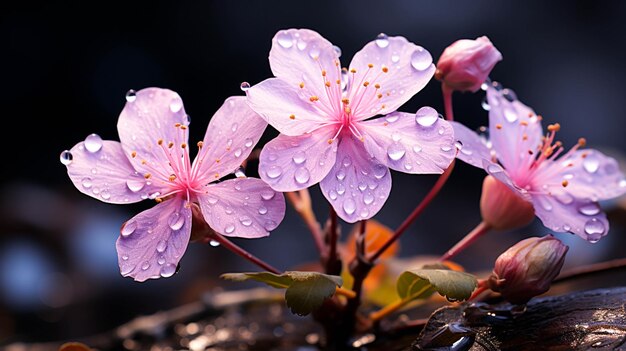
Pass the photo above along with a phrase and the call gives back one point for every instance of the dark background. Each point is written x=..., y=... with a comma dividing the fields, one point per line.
x=67, y=65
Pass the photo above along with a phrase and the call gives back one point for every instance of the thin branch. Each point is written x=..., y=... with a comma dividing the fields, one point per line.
x=301, y=202
x=468, y=240
x=241, y=252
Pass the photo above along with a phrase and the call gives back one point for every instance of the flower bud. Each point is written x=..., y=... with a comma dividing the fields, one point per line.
x=528, y=268
x=466, y=64
x=501, y=208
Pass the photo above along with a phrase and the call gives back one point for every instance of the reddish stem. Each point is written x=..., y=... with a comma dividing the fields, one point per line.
x=416, y=212
x=447, y=102
x=301, y=202
x=468, y=240
x=243, y=253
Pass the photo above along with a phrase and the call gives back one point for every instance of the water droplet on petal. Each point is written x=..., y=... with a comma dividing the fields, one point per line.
x=176, y=104
x=302, y=175
x=347, y=161
x=341, y=175
x=86, y=182
x=314, y=53
x=124, y=257
x=128, y=228
x=176, y=221
x=509, y=114
x=368, y=198
x=186, y=119
x=595, y=229
x=299, y=157
x=458, y=145
x=214, y=243
x=426, y=116
x=270, y=225
x=382, y=40
x=509, y=95
x=395, y=58
x=145, y=266
x=229, y=229
x=332, y=194
x=494, y=168
x=284, y=39
x=485, y=104
x=262, y=210
x=380, y=171
x=161, y=260
x=131, y=95
x=349, y=206
x=301, y=45
x=211, y=200
x=545, y=203
x=591, y=164
x=93, y=143
x=248, y=142
x=66, y=157
x=341, y=189
x=589, y=209
x=421, y=59
x=237, y=152
x=564, y=198
x=274, y=171
x=446, y=148
x=396, y=151
x=246, y=221
x=337, y=50
x=161, y=246
x=168, y=270
x=127, y=268
x=267, y=194
x=105, y=194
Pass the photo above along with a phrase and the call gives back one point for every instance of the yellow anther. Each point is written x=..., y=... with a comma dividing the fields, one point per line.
x=385, y=69
x=383, y=106
x=323, y=73
x=301, y=85
x=170, y=144
x=183, y=145
x=158, y=200
x=565, y=183
x=525, y=137
x=498, y=126
x=292, y=116
x=217, y=175
x=330, y=141
x=554, y=127
x=362, y=139
x=147, y=175
x=530, y=114
x=347, y=110
x=524, y=123
x=217, y=160
x=183, y=127
x=313, y=98
x=530, y=152
x=177, y=125
x=133, y=154
x=160, y=141
x=539, y=117
x=379, y=95
x=366, y=83
x=377, y=86
x=327, y=84
x=172, y=177
x=558, y=144
x=352, y=70
x=584, y=155
x=144, y=162
x=338, y=81
x=582, y=142
x=370, y=65
x=345, y=101
x=200, y=144
x=385, y=124
x=228, y=148
x=548, y=152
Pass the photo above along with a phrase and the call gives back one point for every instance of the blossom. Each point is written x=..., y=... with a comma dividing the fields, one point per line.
x=466, y=64
x=321, y=111
x=565, y=190
x=152, y=161
x=528, y=268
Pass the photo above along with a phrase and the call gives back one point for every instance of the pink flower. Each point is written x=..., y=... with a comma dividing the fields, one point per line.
x=564, y=190
x=466, y=64
x=321, y=109
x=152, y=161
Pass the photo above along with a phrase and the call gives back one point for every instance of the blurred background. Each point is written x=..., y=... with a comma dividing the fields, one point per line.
x=66, y=67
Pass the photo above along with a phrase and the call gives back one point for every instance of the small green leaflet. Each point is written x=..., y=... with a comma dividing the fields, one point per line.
x=306, y=291
x=421, y=283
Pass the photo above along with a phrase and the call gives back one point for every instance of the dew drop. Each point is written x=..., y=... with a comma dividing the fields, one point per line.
x=368, y=198
x=392, y=118
x=332, y=194
x=299, y=157
x=176, y=104
x=248, y=142
x=314, y=53
x=380, y=171
x=545, y=204
x=270, y=225
x=176, y=221
x=301, y=45
x=395, y=58
x=285, y=39
x=262, y=210
x=347, y=161
x=237, y=152
x=240, y=172
x=509, y=95
x=446, y=148
x=168, y=270
x=267, y=194
x=93, y=143
x=161, y=246
x=274, y=171
x=131, y=95
x=337, y=50
x=341, y=189
x=421, y=59
x=494, y=168
x=341, y=175
x=595, y=229
x=86, y=182
x=66, y=157
x=246, y=221
x=145, y=266
x=426, y=116
x=214, y=243
x=302, y=175
x=589, y=209
x=244, y=86
x=382, y=40
x=229, y=229
x=135, y=185
x=126, y=269
x=128, y=228
x=105, y=194
x=485, y=104
x=161, y=260
x=396, y=151
x=417, y=148
x=234, y=127
x=509, y=114
x=349, y=206
x=564, y=198
x=591, y=164
x=212, y=200
x=124, y=257
x=186, y=119
x=458, y=145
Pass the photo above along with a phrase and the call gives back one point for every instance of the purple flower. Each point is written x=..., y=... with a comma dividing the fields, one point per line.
x=152, y=161
x=564, y=190
x=321, y=109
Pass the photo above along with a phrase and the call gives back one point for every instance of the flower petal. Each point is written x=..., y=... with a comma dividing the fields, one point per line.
x=285, y=108
x=292, y=163
x=107, y=175
x=566, y=214
x=150, y=117
x=474, y=149
x=500, y=174
x=152, y=243
x=584, y=174
x=400, y=67
x=242, y=207
x=400, y=143
x=232, y=133
x=306, y=61
x=358, y=185
x=513, y=130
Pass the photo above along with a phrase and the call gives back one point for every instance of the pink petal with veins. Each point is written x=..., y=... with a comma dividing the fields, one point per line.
x=402, y=144
x=106, y=174
x=230, y=137
x=242, y=207
x=293, y=163
x=474, y=148
x=400, y=67
x=358, y=185
x=152, y=243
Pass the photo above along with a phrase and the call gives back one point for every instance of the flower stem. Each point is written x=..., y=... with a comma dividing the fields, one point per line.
x=301, y=202
x=447, y=102
x=468, y=240
x=241, y=252
x=332, y=264
x=416, y=212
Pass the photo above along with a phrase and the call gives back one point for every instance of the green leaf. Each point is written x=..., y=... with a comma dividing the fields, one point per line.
x=421, y=283
x=306, y=291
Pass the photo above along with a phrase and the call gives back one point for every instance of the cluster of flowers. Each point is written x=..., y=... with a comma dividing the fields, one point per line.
x=328, y=135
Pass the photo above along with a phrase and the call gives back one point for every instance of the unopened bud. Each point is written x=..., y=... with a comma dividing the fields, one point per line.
x=466, y=64
x=528, y=268
x=501, y=208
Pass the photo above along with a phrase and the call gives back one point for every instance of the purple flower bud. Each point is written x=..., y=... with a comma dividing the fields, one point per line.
x=528, y=268
x=466, y=64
